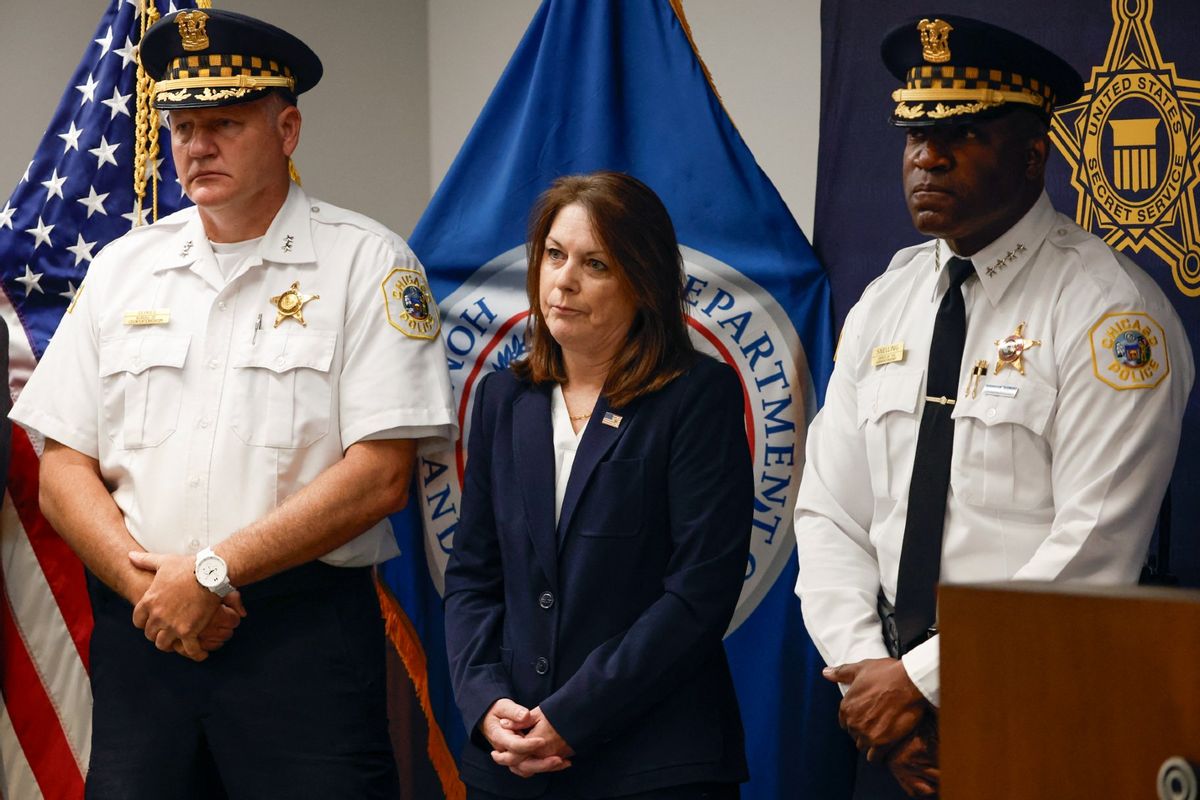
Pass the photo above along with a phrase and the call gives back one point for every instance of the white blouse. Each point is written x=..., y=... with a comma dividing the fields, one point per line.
x=566, y=442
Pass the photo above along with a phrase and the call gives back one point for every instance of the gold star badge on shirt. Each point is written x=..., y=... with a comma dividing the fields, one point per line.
x=1012, y=349
x=291, y=304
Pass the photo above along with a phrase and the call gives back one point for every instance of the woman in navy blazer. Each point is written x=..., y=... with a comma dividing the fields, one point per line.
x=586, y=600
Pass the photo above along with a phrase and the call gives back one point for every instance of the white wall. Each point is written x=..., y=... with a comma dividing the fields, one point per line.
x=365, y=139
x=765, y=59
x=404, y=80
x=470, y=42
x=40, y=46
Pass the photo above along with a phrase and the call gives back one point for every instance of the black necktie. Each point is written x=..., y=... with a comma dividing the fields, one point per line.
x=921, y=554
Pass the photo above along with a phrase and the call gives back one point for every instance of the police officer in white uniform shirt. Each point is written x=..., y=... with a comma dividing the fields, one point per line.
x=1012, y=387
x=231, y=409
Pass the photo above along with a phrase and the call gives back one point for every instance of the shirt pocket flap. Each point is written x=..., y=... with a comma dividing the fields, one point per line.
x=284, y=351
x=1030, y=407
x=135, y=354
x=892, y=390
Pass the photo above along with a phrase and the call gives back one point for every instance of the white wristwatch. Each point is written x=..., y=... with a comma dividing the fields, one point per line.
x=212, y=573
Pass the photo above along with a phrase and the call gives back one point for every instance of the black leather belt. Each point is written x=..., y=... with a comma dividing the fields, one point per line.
x=891, y=635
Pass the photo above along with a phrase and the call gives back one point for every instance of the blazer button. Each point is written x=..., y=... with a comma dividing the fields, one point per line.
x=545, y=600
x=541, y=666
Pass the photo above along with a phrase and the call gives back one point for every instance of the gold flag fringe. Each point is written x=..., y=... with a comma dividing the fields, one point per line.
x=404, y=638
x=145, y=136
x=145, y=140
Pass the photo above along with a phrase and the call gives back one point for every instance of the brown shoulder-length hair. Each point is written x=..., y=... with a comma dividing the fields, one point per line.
x=635, y=231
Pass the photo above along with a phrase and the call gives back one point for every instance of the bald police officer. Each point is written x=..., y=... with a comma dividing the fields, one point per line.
x=1013, y=388
x=231, y=409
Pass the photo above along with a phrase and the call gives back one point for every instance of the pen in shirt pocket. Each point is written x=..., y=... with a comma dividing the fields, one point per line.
x=257, y=328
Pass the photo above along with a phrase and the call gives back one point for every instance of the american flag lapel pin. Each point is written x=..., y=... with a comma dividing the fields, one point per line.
x=611, y=420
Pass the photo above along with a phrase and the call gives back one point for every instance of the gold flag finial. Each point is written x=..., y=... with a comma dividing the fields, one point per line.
x=935, y=40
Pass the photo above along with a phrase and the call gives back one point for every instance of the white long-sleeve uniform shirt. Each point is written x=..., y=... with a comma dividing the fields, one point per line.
x=1056, y=475
x=206, y=407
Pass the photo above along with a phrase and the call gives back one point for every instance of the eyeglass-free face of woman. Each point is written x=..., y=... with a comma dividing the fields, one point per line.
x=587, y=307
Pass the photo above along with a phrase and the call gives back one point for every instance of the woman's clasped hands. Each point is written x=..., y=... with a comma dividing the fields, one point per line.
x=524, y=740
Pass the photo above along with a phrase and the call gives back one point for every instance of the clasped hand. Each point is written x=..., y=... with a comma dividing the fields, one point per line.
x=914, y=761
x=890, y=720
x=881, y=706
x=524, y=740
x=177, y=613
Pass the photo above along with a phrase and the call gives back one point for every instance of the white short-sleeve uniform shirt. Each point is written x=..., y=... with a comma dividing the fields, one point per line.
x=206, y=407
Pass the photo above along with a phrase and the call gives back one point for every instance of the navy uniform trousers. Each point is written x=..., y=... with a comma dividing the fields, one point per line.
x=875, y=782
x=293, y=706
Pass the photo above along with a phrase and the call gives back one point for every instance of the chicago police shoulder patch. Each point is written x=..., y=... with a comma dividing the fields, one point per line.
x=1129, y=351
x=409, y=304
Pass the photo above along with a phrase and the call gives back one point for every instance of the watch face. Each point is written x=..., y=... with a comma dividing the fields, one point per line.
x=210, y=572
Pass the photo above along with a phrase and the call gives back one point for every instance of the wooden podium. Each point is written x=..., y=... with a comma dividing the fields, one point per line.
x=1066, y=692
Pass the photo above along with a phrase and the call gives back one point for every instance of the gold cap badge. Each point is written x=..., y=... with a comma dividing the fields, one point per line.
x=291, y=304
x=191, y=30
x=935, y=40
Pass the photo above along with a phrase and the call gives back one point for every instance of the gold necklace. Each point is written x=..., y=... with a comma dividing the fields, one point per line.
x=570, y=416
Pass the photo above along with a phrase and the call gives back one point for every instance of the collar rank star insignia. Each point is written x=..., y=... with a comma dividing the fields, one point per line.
x=1005, y=260
x=1012, y=349
x=291, y=304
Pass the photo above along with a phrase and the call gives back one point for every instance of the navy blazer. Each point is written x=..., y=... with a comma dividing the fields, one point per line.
x=612, y=621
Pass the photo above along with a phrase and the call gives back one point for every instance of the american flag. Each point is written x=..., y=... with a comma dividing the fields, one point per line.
x=76, y=195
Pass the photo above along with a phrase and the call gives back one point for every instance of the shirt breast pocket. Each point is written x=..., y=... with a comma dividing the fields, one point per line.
x=141, y=380
x=887, y=405
x=1001, y=456
x=282, y=388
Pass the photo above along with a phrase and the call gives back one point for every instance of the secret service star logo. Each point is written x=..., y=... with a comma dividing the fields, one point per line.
x=1133, y=147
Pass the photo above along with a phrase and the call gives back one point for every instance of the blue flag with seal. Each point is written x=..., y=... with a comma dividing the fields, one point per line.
x=619, y=86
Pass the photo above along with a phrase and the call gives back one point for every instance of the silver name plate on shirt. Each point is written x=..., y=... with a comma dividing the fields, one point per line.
x=999, y=390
